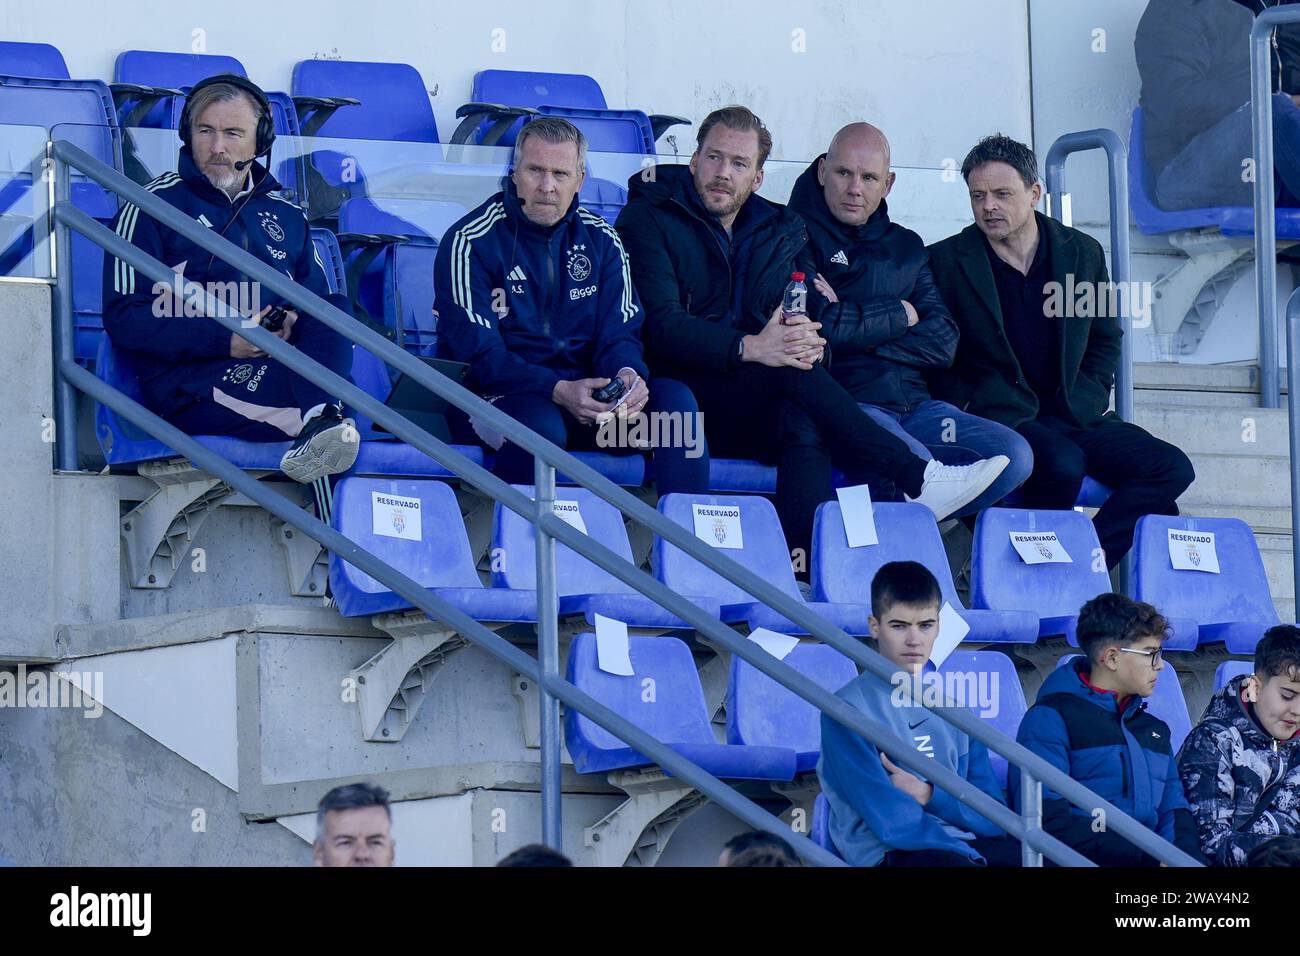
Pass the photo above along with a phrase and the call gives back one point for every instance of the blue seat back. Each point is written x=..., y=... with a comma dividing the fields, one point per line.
x=1006, y=694
x=441, y=558
x=674, y=713
x=429, y=219
x=32, y=59
x=1000, y=579
x=120, y=440
x=602, y=197
x=394, y=100
x=1166, y=702
x=177, y=71
x=761, y=711
x=907, y=532
x=1238, y=593
x=765, y=551
x=326, y=245
x=820, y=832
x=408, y=295
x=514, y=542
x=609, y=131
x=370, y=374
x=1225, y=672
x=531, y=89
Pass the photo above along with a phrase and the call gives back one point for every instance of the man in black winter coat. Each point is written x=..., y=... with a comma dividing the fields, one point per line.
x=885, y=321
x=710, y=261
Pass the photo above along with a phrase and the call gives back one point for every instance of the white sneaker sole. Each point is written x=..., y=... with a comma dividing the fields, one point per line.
x=328, y=453
x=972, y=491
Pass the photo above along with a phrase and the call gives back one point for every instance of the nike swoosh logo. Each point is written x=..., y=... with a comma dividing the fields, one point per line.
x=915, y=725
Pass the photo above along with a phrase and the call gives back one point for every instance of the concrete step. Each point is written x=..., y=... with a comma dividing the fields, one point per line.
x=1251, y=480
x=1216, y=429
x=1219, y=398
x=1262, y=520
x=1206, y=378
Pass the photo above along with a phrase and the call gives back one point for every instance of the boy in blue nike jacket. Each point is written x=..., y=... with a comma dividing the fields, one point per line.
x=880, y=814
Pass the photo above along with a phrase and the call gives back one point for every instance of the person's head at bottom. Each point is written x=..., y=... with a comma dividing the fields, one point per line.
x=1273, y=690
x=1280, y=851
x=354, y=827
x=1122, y=640
x=757, y=848
x=905, y=599
x=535, y=854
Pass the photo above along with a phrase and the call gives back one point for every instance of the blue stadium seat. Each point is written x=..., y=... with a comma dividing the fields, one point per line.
x=124, y=444
x=1055, y=592
x=1152, y=220
x=424, y=218
x=820, y=833
x=32, y=59
x=738, y=476
x=1009, y=699
x=602, y=197
x=1092, y=494
x=327, y=247
x=765, y=552
x=583, y=587
x=674, y=714
x=394, y=99
x=907, y=532
x=1166, y=702
x=81, y=112
x=1226, y=671
x=1233, y=607
x=609, y=131
x=440, y=560
x=761, y=711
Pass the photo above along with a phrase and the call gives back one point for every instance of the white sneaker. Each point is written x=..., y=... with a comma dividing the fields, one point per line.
x=949, y=488
x=328, y=444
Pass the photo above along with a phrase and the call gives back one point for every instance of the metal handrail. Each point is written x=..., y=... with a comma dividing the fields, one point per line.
x=1293, y=426
x=550, y=526
x=1117, y=165
x=1261, y=131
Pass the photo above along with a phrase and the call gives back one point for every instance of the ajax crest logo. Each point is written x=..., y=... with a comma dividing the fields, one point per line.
x=272, y=226
x=579, y=265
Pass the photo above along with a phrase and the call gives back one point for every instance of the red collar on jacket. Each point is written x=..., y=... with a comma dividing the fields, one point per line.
x=1123, y=701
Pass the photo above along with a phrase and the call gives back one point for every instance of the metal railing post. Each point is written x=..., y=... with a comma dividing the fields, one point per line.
x=1261, y=131
x=1293, y=426
x=63, y=332
x=1031, y=809
x=1058, y=207
x=548, y=654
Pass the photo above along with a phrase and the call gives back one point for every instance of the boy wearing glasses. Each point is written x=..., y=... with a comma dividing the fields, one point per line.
x=1092, y=722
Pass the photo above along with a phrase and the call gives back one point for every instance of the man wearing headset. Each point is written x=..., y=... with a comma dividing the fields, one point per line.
x=534, y=293
x=194, y=372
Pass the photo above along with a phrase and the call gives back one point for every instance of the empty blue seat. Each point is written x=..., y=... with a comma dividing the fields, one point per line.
x=1007, y=697
x=761, y=711
x=1152, y=220
x=663, y=697
x=1054, y=592
x=394, y=99
x=32, y=59
x=427, y=543
x=609, y=131
x=1233, y=607
x=1225, y=672
x=1166, y=702
x=764, y=552
x=906, y=532
x=741, y=477
x=80, y=112
x=583, y=587
x=426, y=218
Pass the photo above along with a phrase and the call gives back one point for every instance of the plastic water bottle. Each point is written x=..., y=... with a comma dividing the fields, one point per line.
x=794, y=304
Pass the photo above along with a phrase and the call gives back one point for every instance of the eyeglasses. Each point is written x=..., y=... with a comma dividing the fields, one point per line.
x=1156, y=655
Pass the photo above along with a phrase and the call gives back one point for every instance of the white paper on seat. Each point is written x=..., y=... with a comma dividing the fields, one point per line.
x=1193, y=551
x=952, y=631
x=395, y=516
x=570, y=514
x=859, y=519
x=719, y=525
x=776, y=644
x=1039, y=547
x=613, y=654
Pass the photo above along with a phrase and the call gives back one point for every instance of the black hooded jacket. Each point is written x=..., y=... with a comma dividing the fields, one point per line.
x=701, y=289
x=873, y=268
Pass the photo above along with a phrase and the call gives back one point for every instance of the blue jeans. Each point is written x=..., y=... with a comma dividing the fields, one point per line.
x=937, y=430
x=1208, y=171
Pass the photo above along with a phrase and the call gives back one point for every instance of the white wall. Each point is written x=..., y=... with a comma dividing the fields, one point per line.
x=924, y=78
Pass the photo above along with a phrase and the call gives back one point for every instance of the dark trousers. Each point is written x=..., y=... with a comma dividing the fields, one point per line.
x=1000, y=851
x=1106, y=849
x=258, y=399
x=1146, y=475
x=804, y=422
x=677, y=467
